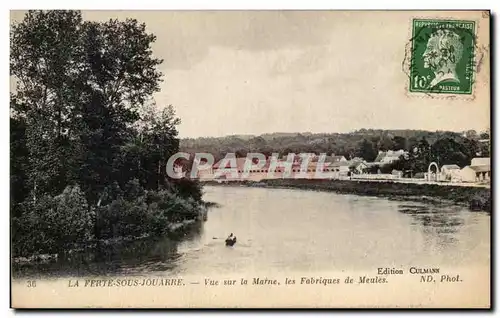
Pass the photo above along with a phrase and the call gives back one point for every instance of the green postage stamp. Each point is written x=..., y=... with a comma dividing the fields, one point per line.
x=442, y=56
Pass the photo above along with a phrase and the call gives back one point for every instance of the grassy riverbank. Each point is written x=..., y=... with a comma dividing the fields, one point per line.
x=475, y=198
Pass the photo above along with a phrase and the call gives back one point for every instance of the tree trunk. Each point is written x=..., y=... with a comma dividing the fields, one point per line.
x=159, y=175
x=34, y=191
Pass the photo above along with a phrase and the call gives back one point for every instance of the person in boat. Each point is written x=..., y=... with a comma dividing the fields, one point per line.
x=231, y=240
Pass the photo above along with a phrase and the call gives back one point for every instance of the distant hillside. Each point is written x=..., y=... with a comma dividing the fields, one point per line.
x=365, y=143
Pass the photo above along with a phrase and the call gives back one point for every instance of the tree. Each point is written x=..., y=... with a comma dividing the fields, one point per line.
x=471, y=134
x=485, y=134
x=44, y=58
x=367, y=151
x=386, y=143
x=87, y=142
x=448, y=151
x=18, y=161
x=79, y=86
x=241, y=153
x=256, y=144
x=400, y=143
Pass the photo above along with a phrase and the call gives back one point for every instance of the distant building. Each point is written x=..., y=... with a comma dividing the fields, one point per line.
x=236, y=173
x=478, y=171
x=372, y=167
x=483, y=173
x=390, y=156
x=467, y=174
x=359, y=159
x=342, y=167
x=397, y=173
x=450, y=172
x=205, y=174
x=358, y=167
x=312, y=157
x=334, y=158
x=480, y=162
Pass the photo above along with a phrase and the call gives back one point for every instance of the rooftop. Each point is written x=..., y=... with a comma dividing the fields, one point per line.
x=450, y=167
x=484, y=168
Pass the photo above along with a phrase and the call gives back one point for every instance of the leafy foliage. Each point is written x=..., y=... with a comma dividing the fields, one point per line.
x=52, y=224
x=87, y=142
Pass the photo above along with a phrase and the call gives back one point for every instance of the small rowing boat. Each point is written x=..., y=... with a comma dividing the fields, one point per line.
x=231, y=241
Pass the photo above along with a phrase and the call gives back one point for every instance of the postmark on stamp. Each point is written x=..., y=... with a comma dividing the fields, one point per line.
x=442, y=56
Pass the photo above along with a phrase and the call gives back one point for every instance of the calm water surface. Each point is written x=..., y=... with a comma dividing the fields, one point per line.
x=282, y=230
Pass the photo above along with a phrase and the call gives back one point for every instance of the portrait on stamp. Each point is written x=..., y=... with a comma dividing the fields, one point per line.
x=442, y=56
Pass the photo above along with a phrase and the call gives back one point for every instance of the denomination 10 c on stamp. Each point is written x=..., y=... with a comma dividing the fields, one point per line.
x=442, y=56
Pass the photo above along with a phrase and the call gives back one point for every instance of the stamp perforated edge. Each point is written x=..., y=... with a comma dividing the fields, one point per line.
x=476, y=65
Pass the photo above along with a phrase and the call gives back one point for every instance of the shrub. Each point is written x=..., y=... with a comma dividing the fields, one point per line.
x=133, y=190
x=73, y=219
x=148, y=214
x=53, y=224
x=187, y=188
x=31, y=232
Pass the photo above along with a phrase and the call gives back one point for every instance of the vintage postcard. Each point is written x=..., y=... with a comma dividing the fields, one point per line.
x=250, y=159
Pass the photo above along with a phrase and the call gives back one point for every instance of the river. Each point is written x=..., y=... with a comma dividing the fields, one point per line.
x=281, y=230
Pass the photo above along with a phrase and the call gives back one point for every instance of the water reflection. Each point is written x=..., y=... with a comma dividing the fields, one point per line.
x=438, y=223
x=117, y=258
x=444, y=226
x=439, y=217
x=292, y=230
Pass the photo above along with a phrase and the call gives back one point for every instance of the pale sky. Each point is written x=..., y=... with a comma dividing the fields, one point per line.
x=254, y=72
